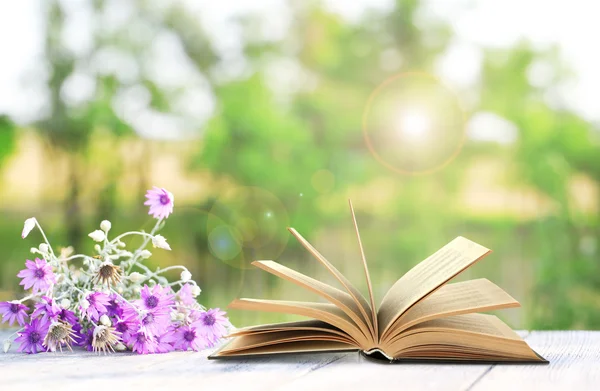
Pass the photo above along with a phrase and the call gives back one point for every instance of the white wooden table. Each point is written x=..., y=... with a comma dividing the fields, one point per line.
x=574, y=365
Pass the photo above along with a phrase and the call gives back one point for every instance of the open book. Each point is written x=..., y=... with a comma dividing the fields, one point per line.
x=420, y=318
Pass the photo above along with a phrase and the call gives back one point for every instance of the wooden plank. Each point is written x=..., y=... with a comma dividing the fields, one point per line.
x=356, y=372
x=574, y=364
x=80, y=370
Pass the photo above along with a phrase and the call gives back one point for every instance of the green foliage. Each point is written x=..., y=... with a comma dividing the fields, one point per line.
x=7, y=137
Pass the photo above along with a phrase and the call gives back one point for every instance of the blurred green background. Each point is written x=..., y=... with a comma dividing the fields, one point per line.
x=272, y=114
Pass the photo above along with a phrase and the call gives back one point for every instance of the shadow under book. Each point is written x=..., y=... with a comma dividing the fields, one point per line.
x=421, y=318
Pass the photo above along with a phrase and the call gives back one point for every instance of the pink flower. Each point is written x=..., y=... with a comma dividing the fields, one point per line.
x=140, y=343
x=13, y=311
x=185, y=295
x=37, y=275
x=157, y=299
x=32, y=338
x=190, y=337
x=213, y=325
x=96, y=305
x=161, y=202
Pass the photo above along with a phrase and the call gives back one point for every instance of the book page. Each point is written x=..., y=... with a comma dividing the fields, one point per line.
x=237, y=348
x=464, y=337
x=290, y=326
x=368, y=277
x=327, y=313
x=426, y=277
x=335, y=296
x=454, y=299
x=362, y=303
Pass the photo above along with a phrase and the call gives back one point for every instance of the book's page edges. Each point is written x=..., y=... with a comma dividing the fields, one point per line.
x=367, y=275
x=360, y=300
x=397, y=300
x=215, y=355
x=378, y=356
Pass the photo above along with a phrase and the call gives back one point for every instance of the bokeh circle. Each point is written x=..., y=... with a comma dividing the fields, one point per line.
x=413, y=124
x=247, y=224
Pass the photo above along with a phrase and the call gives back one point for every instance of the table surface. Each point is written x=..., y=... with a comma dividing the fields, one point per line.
x=574, y=365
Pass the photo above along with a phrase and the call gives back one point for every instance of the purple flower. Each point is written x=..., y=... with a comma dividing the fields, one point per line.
x=154, y=323
x=13, y=311
x=114, y=307
x=67, y=316
x=32, y=338
x=190, y=337
x=141, y=343
x=46, y=309
x=97, y=302
x=157, y=299
x=128, y=323
x=185, y=295
x=160, y=202
x=37, y=275
x=85, y=339
x=213, y=324
x=164, y=343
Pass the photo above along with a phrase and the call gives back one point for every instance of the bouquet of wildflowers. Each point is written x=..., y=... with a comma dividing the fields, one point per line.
x=112, y=301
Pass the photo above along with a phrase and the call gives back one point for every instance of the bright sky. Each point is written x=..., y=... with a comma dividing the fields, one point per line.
x=571, y=24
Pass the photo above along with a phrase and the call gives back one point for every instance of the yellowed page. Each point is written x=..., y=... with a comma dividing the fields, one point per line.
x=328, y=313
x=368, y=277
x=474, y=335
x=337, y=297
x=426, y=277
x=251, y=341
x=362, y=303
x=234, y=349
x=291, y=326
x=454, y=299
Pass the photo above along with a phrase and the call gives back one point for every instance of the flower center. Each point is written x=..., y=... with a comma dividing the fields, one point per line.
x=14, y=308
x=164, y=199
x=189, y=336
x=141, y=338
x=148, y=319
x=122, y=327
x=151, y=301
x=34, y=337
x=39, y=273
x=209, y=319
x=107, y=271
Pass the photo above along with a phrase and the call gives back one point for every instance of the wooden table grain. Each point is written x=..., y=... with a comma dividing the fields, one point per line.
x=574, y=365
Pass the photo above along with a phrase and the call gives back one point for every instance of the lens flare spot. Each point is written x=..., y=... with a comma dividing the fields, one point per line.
x=413, y=124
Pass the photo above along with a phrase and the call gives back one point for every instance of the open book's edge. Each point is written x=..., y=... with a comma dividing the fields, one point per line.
x=380, y=357
x=215, y=355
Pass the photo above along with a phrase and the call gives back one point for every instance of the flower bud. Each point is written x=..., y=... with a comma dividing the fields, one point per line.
x=7, y=344
x=97, y=235
x=27, y=227
x=84, y=304
x=120, y=347
x=65, y=303
x=33, y=250
x=136, y=277
x=137, y=289
x=145, y=254
x=159, y=241
x=121, y=244
x=105, y=225
x=97, y=248
x=186, y=276
x=105, y=321
x=44, y=248
x=196, y=290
